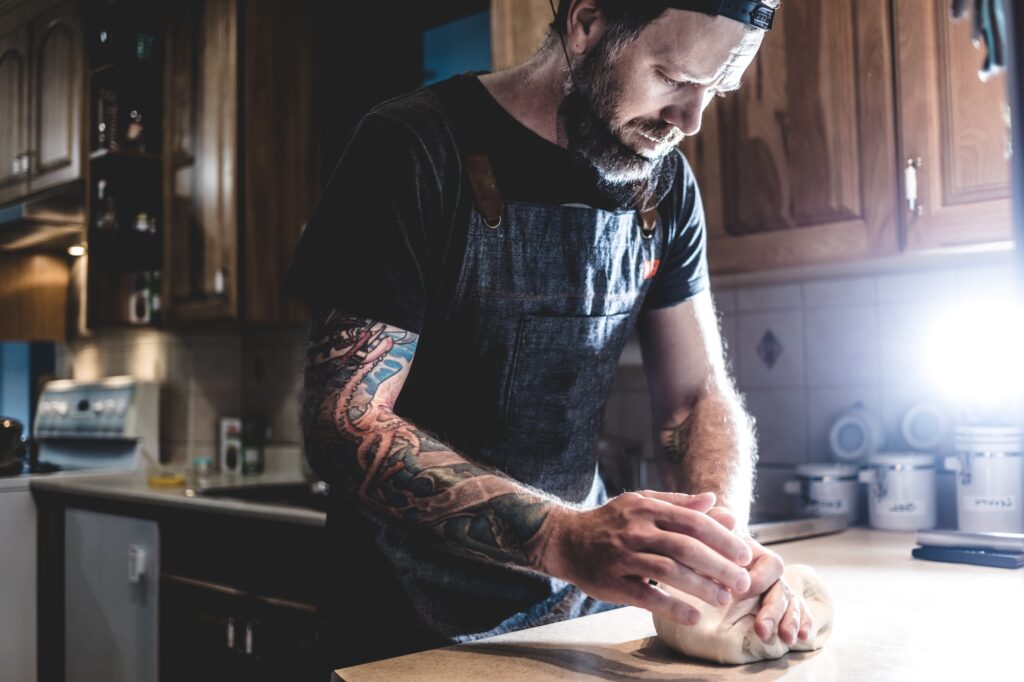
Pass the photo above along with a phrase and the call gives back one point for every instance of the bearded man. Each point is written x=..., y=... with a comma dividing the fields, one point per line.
x=509, y=231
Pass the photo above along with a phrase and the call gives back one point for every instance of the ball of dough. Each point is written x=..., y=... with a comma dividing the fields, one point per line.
x=726, y=634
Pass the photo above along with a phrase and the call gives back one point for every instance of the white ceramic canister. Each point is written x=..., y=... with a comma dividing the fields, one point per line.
x=901, y=493
x=825, y=490
x=990, y=478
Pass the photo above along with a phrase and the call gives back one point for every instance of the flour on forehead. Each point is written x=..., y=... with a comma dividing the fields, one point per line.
x=726, y=634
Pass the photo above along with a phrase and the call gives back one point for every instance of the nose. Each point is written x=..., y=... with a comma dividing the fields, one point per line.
x=686, y=110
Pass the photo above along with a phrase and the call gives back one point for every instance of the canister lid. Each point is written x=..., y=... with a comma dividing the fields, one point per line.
x=925, y=426
x=826, y=471
x=989, y=439
x=855, y=434
x=913, y=460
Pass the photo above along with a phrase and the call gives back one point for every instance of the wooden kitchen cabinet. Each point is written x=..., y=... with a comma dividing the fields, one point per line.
x=241, y=158
x=41, y=86
x=57, y=85
x=798, y=167
x=14, y=100
x=956, y=125
x=805, y=164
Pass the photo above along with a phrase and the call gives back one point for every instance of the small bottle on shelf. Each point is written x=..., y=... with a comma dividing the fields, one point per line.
x=106, y=126
x=139, y=311
x=106, y=207
x=134, y=135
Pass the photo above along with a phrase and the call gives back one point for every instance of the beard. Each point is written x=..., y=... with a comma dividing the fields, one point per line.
x=588, y=113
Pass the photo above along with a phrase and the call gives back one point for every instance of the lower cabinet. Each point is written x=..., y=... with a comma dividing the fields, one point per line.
x=142, y=593
x=213, y=631
x=238, y=600
x=111, y=600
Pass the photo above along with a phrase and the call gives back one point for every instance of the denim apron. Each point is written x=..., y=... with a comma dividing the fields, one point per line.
x=514, y=374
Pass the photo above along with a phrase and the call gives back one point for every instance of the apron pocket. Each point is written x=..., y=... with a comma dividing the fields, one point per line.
x=561, y=373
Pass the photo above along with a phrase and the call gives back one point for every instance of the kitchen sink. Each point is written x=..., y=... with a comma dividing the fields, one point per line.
x=311, y=495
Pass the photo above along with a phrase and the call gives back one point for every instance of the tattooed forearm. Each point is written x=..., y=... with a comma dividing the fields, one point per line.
x=711, y=448
x=355, y=369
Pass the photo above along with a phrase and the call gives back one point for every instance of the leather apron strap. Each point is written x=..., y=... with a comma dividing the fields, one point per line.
x=489, y=201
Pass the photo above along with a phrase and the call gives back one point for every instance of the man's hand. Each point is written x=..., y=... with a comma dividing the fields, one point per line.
x=611, y=552
x=782, y=609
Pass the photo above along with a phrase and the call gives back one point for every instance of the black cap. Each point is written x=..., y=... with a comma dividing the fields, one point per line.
x=749, y=12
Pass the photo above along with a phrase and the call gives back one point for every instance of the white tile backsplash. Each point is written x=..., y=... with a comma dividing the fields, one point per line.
x=839, y=291
x=725, y=300
x=775, y=297
x=781, y=421
x=908, y=336
x=769, y=496
x=842, y=346
x=917, y=286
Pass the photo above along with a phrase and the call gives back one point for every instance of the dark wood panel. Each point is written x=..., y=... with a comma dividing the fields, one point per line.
x=281, y=153
x=33, y=297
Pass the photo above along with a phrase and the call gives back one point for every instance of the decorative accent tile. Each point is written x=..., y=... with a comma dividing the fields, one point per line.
x=769, y=349
x=786, y=352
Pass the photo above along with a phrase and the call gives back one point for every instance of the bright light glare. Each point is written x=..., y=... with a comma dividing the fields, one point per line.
x=76, y=250
x=975, y=352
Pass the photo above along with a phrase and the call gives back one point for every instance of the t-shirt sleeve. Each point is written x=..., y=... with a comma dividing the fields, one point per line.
x=684, y=269
x=364, y=249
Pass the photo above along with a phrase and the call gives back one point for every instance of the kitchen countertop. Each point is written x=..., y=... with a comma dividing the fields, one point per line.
x=132, y=488
x=896, y=618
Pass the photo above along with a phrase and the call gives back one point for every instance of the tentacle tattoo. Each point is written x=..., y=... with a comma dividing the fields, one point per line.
x=355, y=369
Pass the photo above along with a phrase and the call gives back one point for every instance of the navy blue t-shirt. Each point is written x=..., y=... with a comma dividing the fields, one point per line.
x=386, y=239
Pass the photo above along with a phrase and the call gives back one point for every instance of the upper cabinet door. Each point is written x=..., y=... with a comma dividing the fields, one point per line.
x=201, y=152
x=14, y=81
x=956, y=125
x=799, y=166
x=57, y=84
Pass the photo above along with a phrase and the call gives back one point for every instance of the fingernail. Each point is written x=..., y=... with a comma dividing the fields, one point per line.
x=769, y=627
x=791, y=633
x=694, y=618
x=723, y=597
x=744, y=557
x=743, y=583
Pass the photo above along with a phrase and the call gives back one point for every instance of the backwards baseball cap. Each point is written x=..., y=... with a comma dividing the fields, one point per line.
x=749, y=12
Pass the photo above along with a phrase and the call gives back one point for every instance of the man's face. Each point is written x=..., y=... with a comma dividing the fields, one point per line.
x=635, y=103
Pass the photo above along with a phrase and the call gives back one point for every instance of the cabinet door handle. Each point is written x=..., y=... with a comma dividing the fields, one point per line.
x=230, y=639
x=219, y=280
x=910, y=186
x=249, y=632
x=136, y=563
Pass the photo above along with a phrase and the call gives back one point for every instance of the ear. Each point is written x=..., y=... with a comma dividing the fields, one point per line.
x=585, y=26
